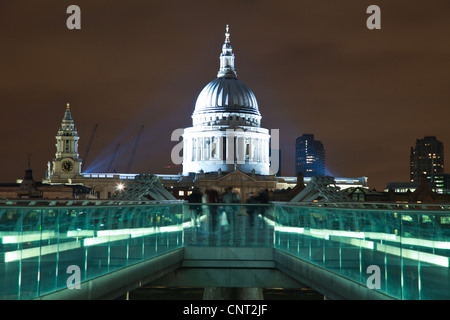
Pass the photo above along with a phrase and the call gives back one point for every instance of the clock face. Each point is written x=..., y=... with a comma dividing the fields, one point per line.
x=67, y=166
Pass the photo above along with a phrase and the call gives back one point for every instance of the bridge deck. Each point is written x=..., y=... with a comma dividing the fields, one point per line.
x=335, y=249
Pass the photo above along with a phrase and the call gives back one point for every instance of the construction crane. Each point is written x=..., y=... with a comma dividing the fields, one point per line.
x=113, y=158
x=136, y=143
x=83, y=164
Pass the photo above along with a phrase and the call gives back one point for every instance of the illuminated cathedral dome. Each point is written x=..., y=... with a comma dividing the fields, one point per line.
x=226, y=134
x=226, y=100
x=226, y=95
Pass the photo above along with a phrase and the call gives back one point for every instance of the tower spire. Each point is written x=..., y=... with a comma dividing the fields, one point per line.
x=67, y=114
x=227, y=58
x=227, y=34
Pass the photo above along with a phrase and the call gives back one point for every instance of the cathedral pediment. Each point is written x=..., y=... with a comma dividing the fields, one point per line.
x=236, y=176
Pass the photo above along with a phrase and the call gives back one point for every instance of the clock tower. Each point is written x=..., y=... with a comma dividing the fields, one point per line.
x=67, y=164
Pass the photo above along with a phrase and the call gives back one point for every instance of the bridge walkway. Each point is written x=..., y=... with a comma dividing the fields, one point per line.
x=102, y=250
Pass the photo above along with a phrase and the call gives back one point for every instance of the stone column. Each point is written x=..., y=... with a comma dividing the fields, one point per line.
x=197, y=149
x=207, y=148
x=258, y=150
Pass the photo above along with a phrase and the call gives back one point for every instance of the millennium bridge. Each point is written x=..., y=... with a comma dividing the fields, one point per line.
x=93, y=249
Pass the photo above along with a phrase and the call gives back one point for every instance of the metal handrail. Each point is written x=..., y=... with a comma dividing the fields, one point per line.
x=371, y=205
x=81, y=202
x=118, y=202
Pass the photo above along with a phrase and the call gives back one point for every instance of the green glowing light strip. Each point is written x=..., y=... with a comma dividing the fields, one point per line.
x=414, y=255
x=21, y=237
x=356, y=239
x=40, y=251
x=103, y=236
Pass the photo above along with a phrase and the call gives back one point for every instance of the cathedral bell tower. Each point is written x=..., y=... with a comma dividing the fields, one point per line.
x=67, y=164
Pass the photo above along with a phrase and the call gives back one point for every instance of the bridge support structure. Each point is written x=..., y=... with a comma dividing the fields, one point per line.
x=226, y=273
x=120, y=282
x=331, y=285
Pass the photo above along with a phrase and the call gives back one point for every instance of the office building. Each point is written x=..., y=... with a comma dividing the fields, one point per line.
x=427, y=157
x=309, y=156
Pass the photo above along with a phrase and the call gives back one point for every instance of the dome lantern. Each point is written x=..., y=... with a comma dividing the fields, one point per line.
x=226, y=100
x=227, y=58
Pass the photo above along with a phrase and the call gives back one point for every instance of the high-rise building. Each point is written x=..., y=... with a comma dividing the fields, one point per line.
x=309, y=156
x=427, y=157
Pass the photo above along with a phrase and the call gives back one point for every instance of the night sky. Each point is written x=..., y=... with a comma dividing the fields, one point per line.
x=314, y=67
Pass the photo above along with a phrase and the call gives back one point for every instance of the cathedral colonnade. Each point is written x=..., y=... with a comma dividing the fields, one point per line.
x=210, y=150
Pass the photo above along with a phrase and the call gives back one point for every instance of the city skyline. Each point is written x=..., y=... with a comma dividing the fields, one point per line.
x=314, y=68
